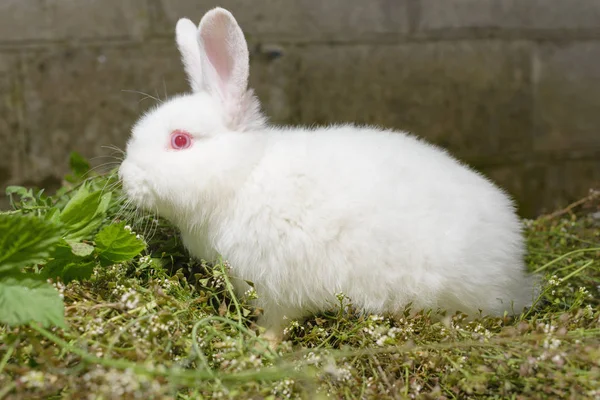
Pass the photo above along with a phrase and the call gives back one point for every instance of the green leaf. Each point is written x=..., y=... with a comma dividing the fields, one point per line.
x=22, y=194
x=203, y=282
x=25, y=240
x=79, y=165
x=19, y=191
x=53, y=215
x=84, y=213
x=63, y=252
x=68, y=271
x=81, y=207
x=115, y=244
x=85, y=231
x=24, y=300
x=71, y=250
x=78, y=271
x=69, y=262
x=104, y=203
x=81, y=249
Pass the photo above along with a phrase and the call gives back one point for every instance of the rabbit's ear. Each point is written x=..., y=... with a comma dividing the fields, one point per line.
x=187, y=42
x=224, y=54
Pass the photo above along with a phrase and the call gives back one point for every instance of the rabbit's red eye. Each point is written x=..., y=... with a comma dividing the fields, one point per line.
x=180, y=140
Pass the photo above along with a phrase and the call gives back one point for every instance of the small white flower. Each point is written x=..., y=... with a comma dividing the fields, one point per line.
x=549, y=328
x=33, y=379
x=130, y=299
x=588, y=311
x=144, y=259
x=557, y=359
x=381, y=340
x=554, y=280
x=251, y=294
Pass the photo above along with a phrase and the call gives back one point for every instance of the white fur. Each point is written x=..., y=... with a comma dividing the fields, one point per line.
x=381, y=216
x=187, y=43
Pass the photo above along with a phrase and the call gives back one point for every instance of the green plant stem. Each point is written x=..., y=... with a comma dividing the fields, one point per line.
x=7, y=389
x=578, y=270
x=232, y=294
x=571, y=253
x=175, y=374
x=117, y=336
x=197, y=350
x=236, y=325
x=7, y=355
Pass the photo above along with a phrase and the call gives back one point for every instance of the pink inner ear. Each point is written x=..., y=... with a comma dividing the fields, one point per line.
x=217, y=46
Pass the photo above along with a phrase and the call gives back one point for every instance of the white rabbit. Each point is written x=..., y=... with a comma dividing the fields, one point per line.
x=381, y=216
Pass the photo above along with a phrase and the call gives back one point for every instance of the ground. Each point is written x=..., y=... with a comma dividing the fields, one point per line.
x=167, y=327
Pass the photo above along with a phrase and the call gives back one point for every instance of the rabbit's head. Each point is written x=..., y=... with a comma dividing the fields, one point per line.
x=192, y=149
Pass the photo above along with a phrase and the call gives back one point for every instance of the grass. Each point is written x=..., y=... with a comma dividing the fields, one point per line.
x=167, y=327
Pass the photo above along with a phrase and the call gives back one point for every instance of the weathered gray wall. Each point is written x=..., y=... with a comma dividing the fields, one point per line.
x=511, y=86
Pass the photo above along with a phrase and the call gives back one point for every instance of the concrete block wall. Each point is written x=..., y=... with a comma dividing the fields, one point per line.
x=510, y=86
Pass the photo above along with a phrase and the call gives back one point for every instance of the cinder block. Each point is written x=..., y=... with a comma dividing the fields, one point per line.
x=567, y=96
x=522, y=183
x=77, y=99
x=508, y=14
x=274, y=77
x=543, y=186
x=12, y=139
x=302, y=20
x=570, y=181
x=473, y=98
x=28, y=20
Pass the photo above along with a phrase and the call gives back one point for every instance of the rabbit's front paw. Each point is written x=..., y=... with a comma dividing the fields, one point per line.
x=269, y=340
x=273, y=337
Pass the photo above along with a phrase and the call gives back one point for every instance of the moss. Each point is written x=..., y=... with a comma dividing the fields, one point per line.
x=166, y=326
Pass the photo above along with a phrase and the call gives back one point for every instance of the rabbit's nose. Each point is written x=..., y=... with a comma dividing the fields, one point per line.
x=127, y=175
x=125, y=171
x=120, y=172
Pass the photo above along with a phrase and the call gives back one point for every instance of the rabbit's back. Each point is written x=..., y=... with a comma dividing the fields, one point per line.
x=381, y=216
